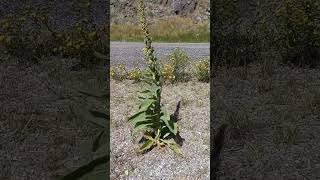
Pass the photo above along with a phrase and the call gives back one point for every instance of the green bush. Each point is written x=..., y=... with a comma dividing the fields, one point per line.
x=300, y=32
x=84, y=41
x=119, y=72
x=202, y=70
x=289, y=29
x=135, y=74
x=236, y=49
x=176, y=67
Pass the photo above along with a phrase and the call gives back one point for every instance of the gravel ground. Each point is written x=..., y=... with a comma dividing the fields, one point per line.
x=274, y=132
x=130, y=53
x=126, y=163
x=40, y=129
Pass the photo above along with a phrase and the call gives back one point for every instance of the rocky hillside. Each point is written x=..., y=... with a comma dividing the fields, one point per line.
x=126, y=10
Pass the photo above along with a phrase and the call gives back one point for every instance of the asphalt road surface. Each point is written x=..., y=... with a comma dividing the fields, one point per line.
x=130, y=53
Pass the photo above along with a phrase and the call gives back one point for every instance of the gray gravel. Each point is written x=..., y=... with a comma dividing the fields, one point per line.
x=130, y=53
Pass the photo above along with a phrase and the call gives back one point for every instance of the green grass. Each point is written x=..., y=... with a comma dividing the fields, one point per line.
x=169, y=30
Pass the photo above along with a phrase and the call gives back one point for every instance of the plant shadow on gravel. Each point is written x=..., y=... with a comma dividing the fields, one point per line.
x=99, y=146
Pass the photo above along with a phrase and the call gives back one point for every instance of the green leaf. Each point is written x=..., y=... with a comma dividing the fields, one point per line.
x=158, y=134
x=135, y=116
x=147, y=145
x=146, y=104
x=140, y=117
x=149, y=138
x=172, y=145
x=175, y=148
x=141, y=127
x=166, y=135
x=165, y=117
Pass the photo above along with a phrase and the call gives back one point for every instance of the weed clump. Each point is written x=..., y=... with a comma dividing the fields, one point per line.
x=31, y=36
x=176, y=68
x=202, y=70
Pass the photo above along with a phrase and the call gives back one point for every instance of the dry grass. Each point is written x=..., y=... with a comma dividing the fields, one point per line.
x=161, y=164
x=173, y=29
x=281, y=122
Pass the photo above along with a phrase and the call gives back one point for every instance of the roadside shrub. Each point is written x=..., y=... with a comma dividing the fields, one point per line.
x=118, y=72
x=19, y=41
x=135, y=74
x=236, y=49
x=202, y=70
x=31, y=36
x=176, y=68
x=168, y=73
x=300, y=32
x=81, y=42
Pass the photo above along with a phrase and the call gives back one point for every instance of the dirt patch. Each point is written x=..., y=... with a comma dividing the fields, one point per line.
x=274, y=121
x=161, y=164
x=40, y=130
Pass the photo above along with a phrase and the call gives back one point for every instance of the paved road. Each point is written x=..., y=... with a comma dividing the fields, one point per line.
x=130, y=53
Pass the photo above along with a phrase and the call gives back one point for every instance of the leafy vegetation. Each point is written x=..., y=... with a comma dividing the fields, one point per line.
x=178, y=64
x=300, y=31
x=289, y=29
x=202, y=70
x=170, y=74
x=152, y=117
x=84, y=40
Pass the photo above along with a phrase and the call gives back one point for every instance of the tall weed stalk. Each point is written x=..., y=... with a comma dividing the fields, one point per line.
x=152, y=117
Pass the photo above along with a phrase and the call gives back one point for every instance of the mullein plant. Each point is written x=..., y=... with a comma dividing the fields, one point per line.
x=152, y=118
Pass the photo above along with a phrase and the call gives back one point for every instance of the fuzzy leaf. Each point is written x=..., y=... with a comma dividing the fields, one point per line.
x=135, y=115
x=147, y=145
x=141, y=127
x=166, y=135
x=141, y=118
x=173, y=146
x=146, y=104
x=165, y=117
